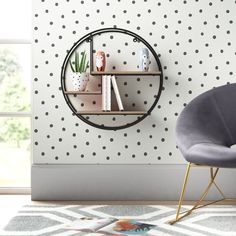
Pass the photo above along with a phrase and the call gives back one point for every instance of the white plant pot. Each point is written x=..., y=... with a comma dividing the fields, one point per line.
x=79, y=81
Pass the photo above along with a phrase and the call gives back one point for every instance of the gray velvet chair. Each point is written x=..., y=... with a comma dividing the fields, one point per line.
x=205, y=131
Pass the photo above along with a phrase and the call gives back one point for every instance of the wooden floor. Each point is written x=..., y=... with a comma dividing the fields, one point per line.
x=19, y=200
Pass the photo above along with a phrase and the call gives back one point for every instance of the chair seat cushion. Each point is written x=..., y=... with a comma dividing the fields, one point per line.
x=212, y=154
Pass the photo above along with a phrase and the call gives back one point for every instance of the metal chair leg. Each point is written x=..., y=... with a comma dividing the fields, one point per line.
x=182, y=194
x=213, y=174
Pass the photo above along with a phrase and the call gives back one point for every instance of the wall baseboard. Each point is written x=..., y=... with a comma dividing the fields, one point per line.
x=123, y=182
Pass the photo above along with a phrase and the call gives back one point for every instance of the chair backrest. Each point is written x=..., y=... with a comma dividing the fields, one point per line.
x=209, y=118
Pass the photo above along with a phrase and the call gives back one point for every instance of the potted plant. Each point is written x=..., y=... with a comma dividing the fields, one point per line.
x=79, y=67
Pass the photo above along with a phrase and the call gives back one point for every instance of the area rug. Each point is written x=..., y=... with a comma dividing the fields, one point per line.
x=49, y=220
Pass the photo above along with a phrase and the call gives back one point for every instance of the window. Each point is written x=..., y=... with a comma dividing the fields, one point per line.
x=15, y=77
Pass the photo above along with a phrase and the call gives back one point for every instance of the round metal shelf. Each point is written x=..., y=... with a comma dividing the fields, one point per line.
x=89, y=38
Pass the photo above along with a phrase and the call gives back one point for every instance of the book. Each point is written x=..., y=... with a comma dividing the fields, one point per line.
x=106, y=93
x=110, y=226
x=117, y=93
x=104, y=106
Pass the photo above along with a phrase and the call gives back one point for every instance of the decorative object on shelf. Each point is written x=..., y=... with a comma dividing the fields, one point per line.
x=79, y=81
x=144, y=59
x=100, y=61
x=79, y=76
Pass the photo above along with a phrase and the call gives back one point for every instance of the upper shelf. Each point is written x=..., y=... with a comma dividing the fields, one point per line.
x=83, y=92
x=125, y=72
x=111, y=112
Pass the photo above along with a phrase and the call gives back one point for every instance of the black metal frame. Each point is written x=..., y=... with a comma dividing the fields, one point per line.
x=89, y=38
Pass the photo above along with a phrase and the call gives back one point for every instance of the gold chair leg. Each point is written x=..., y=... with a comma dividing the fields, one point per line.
x=213, y=174
x=182, y=194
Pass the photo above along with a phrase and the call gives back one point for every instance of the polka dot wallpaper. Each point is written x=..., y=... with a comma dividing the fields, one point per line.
x=196, y=44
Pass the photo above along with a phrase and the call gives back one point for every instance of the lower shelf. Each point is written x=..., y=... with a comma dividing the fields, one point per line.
x=111, y=112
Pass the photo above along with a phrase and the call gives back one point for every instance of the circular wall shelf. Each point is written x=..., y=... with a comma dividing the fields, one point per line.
x=101, y=116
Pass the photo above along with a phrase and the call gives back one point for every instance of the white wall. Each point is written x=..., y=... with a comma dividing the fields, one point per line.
x=196, y=44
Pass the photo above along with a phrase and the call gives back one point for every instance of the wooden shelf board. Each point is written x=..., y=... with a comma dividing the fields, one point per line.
x=83, y=92
x=125, y=73
x=111, y=112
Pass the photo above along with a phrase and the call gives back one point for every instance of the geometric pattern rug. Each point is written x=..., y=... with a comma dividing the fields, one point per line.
x=47, y=220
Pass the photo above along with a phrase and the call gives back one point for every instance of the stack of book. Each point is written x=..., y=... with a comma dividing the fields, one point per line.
x=107, y=81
